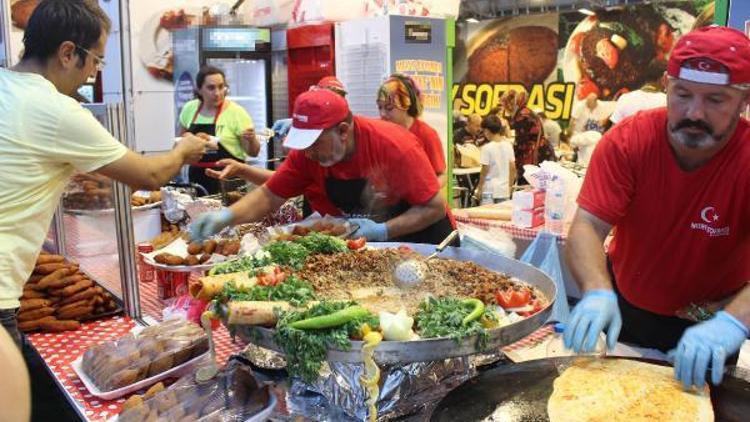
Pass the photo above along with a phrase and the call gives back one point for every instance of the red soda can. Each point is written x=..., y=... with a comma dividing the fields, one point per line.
x=146, y=273
x=170, y=284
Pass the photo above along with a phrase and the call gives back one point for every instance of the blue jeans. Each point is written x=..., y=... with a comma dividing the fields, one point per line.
x=10, y=323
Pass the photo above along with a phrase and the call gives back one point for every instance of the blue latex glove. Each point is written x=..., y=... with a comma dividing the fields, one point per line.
x=710, y=341
x=281, y=127
x=596, y=311
x=375, y=232
x=210, y=223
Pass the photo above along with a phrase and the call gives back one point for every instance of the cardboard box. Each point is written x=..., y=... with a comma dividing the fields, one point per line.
x=528, y=199
x=528, y=218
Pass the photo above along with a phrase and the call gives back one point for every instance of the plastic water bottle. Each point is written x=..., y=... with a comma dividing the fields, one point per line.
x=554, y=206
x=486, y=197
x=556, y=345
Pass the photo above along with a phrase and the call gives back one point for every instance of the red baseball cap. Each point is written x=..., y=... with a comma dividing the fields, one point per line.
x=331, y=82
x=713, y=55
x=314, y=111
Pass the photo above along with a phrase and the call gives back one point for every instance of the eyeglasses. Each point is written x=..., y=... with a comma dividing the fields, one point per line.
x=100, y=63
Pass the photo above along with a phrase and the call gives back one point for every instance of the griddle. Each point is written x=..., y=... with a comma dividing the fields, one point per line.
x=519, y=392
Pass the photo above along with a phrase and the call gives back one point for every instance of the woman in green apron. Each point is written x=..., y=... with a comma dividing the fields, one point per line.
x=214, y=115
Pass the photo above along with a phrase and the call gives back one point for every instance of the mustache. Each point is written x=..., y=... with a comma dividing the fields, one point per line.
x=698, y=124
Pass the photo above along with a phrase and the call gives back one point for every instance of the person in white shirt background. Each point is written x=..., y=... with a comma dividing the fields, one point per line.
x=498, y=162
x=589, y=120
x=551, y=128
x=650, y=95
x=590, y=114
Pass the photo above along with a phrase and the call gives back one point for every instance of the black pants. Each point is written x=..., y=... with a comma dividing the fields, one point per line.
x=10, y=323
x=47, y=401
x=647, y=329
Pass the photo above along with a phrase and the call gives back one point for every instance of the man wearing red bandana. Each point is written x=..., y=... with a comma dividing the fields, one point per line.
x=675, y=183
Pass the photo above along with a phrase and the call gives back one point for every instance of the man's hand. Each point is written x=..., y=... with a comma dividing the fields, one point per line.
x=192, y=148
x=210, y=223
x=248, y=135
x=708, y=342
x=596, y=311
x=375, y=232
x=232, y=168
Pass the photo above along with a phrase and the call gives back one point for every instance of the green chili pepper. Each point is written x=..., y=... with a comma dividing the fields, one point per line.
x=331, y=320
x=476, y=312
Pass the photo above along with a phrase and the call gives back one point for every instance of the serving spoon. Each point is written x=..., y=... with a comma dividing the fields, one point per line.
x=411, y=273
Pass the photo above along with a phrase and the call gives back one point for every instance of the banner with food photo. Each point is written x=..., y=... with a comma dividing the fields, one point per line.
x=560, y=58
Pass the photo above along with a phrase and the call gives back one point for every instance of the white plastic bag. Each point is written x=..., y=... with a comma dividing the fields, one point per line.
x=494, y=240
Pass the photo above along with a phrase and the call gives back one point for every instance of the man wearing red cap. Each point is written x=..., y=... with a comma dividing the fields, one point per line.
x=676, y=185
x=368, y=168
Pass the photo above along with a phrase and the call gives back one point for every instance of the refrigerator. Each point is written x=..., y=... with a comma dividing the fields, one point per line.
x=244, y=54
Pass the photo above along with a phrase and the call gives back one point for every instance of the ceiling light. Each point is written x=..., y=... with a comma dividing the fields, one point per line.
x=586, y=11
x=472, y=20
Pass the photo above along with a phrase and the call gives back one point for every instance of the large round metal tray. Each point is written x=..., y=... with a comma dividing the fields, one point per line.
x=426, y=350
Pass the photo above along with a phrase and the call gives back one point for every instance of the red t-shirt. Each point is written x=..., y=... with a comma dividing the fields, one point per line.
x=387, y=155
x=431, y=143
x=681, y=237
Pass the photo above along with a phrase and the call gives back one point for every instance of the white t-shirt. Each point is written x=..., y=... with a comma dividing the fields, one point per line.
x=633, y=102
x=498, y=156
x=552, y=131
x=588, y=119
x=586, y=142
x=44, y=137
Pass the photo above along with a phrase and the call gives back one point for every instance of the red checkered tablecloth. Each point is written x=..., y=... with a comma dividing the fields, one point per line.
x=59, y=350
x=507, y=226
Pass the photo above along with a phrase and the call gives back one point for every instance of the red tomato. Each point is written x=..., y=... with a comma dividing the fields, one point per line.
x=664, y=41
x=355, y=244
x=272, y=278
x=405, y=249
x=512, y=298
x=575, y=43
x=263, y=279
x=607, y=52
x=279, y=274
x=586, y=87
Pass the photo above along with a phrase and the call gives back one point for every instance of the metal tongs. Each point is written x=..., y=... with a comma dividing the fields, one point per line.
x=411, y=272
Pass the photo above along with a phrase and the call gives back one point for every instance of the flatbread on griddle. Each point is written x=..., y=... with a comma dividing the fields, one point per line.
x=624, y=390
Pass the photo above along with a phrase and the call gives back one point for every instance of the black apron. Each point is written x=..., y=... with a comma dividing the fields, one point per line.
x=648, y=329
x=349, y=197
x=197, y=172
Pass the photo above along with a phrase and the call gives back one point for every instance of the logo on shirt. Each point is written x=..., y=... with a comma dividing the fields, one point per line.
x=709, y=220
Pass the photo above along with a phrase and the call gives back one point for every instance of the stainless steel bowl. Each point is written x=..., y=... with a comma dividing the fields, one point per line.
x=432, y=349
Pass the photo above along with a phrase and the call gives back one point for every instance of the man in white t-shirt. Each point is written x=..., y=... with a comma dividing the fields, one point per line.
x=651, y=95
x=45, y=136
x=590, y=114
x=551, y=128
x=498, y=162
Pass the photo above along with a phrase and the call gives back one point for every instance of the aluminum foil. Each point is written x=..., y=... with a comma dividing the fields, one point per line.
x=404, y=390
x=173, y=204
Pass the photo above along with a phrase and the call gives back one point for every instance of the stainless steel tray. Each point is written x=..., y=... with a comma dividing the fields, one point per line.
x=425, y=350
